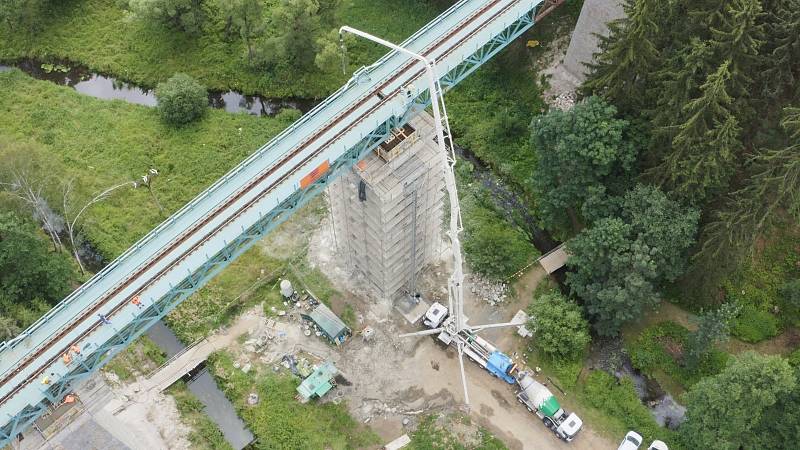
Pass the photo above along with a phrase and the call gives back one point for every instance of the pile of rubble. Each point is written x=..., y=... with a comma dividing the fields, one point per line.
x=564, y=101
x=491, y=292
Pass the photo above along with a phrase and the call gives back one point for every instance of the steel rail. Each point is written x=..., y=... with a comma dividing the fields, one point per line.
x=103, y=300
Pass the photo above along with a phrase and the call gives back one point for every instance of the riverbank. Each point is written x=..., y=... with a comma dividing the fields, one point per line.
x=108, y=39
x=107, y=87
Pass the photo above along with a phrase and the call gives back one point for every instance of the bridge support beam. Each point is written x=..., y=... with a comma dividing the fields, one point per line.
x=95, y=358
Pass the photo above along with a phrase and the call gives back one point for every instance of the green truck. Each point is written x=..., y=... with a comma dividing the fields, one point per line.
x=540, y=401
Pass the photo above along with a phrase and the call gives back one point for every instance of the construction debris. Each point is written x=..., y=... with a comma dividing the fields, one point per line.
x=492, y=293
x=398, y=443
x=252, y=399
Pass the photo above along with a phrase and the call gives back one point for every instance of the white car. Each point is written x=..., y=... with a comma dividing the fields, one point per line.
x=632, y=441
x=658, y=445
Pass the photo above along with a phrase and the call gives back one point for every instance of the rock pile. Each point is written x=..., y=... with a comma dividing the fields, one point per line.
x=489, y=291
x=564, y=101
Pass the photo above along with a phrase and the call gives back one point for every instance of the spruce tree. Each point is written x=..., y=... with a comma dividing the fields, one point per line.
x=737, y=39
x=707, y=142
x=773, y=188
x=782, y=60
x=628, y=57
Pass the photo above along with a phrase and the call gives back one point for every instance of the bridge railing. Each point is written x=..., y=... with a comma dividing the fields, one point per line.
x=233, y=173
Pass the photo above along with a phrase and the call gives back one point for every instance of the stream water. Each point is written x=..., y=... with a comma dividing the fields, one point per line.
x=509, y=202
x=106, y=87
x=203, y=386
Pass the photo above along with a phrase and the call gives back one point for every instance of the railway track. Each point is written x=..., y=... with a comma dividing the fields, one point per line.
x=377, y=94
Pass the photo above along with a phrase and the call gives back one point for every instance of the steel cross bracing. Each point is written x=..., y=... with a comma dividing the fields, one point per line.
x=197, y=242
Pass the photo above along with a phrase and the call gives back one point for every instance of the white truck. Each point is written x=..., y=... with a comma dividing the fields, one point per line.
x=540, y=401
x=435, y=315
x=478, y=349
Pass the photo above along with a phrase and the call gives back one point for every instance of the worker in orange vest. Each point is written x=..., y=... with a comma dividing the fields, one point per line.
x=75, y=349
x=137, y=301
x=66, y=358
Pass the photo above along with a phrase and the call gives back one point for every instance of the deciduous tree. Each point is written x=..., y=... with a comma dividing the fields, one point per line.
x=291, y=34
x=577, y=150
x=664, y=225
x=612, y=274
x=712, y=328
x=185, y=15
x=247, y=18
x=723, y=410
x=27, y=269
x=559, y=327
x=622, y=259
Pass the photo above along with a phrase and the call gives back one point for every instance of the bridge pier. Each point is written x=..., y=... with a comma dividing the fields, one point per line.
x=387, y=210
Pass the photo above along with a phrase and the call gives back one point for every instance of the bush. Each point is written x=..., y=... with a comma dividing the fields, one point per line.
x=619, y=400
x=790, y=301
x=559, y=327
x=755, y=325
x=491, y=245
x=181, y=99
x=794, y=358
x=660, y=348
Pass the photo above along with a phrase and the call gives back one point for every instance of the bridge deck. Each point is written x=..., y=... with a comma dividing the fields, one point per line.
x=225, y=212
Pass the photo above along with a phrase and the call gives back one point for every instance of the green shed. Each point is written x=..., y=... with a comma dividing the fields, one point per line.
x=318, y=383
x=329, y=324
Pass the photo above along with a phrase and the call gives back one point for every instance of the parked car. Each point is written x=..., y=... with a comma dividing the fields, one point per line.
x=658, y=445
x=632, y=441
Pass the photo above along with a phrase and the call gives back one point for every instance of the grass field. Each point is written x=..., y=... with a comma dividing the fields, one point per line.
x=103, y=36
x=102, y=143
x=280, y=421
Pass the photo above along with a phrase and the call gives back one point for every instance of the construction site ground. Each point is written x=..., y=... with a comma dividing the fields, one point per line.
x=389, y=380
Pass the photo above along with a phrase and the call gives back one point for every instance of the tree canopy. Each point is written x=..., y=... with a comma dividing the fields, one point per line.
x=181, y=99
x=724, y=410
x=620, y=261
x=31, y=276
x=577, y=151
x=558, y=326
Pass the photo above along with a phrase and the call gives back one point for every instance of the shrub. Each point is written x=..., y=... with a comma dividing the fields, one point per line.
x=648, y=352
x=181, y=99
x=790, y=301
x=491, y=245
x=794, y=358
x=755, y=325
x=619, y=400
x=659, y=348
x=559, y=327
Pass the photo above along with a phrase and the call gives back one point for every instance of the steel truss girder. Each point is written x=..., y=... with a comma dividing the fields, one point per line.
x=98, y=357
x=481, y=55
x=95, y=358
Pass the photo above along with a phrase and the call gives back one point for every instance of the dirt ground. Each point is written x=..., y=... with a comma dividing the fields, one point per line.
x=402, y=378
x=390, y=380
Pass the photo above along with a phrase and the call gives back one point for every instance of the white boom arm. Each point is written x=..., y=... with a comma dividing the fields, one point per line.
x=443, y=138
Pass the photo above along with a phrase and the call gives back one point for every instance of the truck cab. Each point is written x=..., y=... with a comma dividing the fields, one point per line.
x=435, y=315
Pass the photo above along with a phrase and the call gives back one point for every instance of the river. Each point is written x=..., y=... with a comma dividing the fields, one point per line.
x=203, y=386
x=109, y=88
